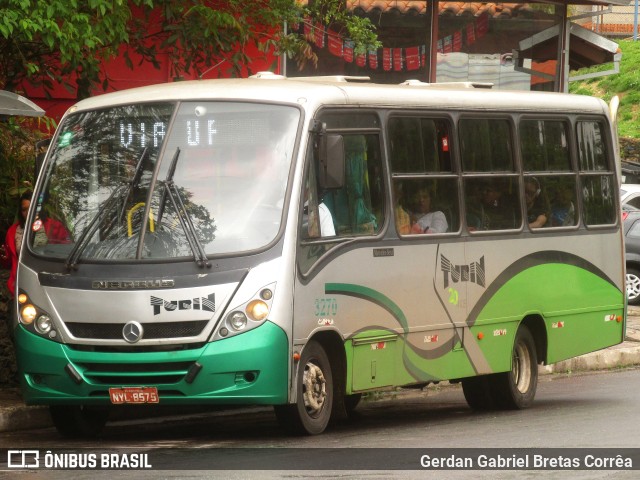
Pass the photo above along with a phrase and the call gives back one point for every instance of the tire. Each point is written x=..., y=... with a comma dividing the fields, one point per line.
x=477, y=393
x=79, y=421
x=515, y=389
x=311, y=413
x=633, y=286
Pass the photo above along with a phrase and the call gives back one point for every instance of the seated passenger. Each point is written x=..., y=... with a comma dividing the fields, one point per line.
x=563, y=212
x=537, y=208
x=403, y=220
x=427, y=221
x=326, y=221
x=494, y=211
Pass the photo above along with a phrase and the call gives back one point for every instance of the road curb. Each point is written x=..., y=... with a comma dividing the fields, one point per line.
x=22, y=417
x=602, y=360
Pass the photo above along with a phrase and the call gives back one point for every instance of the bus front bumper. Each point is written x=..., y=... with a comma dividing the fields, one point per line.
x=250, y=368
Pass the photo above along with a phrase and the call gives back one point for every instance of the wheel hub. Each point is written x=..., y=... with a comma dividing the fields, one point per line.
x=314, y=389
x=521, y=368
x=633, y=287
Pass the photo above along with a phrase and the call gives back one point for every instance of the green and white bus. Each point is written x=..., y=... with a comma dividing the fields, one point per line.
x=299, y=242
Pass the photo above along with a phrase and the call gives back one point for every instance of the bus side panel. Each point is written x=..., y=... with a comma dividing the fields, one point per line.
x=582, y=311
x=375, y=362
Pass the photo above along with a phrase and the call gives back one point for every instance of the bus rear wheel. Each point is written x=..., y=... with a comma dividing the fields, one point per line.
x=516, y=388
x=79, y=421
x=311, y=413
x=477, y=392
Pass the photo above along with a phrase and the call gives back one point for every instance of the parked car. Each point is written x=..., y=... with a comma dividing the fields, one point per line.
x=631, y=226
x=630, y=195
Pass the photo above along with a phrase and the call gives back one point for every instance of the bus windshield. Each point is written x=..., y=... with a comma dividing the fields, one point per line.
x=111, y=173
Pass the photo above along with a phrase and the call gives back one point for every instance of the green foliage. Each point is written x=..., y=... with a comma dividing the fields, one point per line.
x=65, y=41
x=625, y=84
x=46, y=42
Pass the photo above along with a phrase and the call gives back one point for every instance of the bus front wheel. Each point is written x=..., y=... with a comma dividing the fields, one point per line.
x=311, y=413
x=79, y=421
x=516, y=388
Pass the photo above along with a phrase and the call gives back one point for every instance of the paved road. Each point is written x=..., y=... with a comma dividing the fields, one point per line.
x=591, y=410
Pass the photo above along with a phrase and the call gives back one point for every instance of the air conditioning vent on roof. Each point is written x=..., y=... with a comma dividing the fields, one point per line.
x=448, y=85
x=333, y=78
x=267, y=76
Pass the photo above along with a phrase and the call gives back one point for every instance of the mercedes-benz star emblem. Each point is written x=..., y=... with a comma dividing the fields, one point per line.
x=132, y=332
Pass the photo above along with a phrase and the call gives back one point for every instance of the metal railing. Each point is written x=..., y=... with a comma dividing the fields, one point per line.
x=615, y=22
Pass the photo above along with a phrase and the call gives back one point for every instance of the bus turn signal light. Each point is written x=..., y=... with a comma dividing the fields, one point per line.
x=28, y=313
x=258, y=310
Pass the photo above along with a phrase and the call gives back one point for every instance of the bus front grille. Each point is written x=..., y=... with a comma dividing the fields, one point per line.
x=113, y=331
x=135, y=373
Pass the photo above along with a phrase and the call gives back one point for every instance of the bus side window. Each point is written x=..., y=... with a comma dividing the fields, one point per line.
x=317, y=218
x=597, y=181
x=357, y=207
x=430, y=205
x=492, y=194
x=492, y=203
x=550, y=182
x=420, y=146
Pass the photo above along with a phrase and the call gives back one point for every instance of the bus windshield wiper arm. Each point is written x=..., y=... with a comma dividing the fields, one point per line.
x=76, y=251
x=137, y=175
x=171, y=191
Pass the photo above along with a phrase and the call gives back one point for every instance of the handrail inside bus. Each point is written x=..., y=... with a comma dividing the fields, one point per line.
x=130, y=221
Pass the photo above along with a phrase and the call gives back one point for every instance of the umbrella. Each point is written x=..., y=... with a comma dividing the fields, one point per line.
x=13, y=104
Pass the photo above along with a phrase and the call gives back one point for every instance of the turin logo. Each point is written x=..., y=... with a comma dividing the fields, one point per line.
x=474, y=272
x=200, y=303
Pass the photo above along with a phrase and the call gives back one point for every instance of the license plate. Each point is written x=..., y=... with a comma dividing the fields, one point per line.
x=134, y=395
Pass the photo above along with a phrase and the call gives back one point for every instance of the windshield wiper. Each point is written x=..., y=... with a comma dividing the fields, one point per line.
x=76, y=251
x=171, y=191
x=137, y=175
x=110, y=202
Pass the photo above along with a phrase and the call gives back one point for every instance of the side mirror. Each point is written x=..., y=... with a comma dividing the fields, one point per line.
x=331, y=161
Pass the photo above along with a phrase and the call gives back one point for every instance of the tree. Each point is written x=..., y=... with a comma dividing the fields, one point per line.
x=66, y=41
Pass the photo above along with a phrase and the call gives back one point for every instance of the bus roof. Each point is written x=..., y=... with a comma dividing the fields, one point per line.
x=355, y=91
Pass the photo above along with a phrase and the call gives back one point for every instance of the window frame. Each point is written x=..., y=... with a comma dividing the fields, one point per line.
x=428, y=175
x=572, y=171
x=610, y=171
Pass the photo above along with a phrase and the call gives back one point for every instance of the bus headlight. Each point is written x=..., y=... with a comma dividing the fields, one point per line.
x=43, y=324
x=245, y=315
x=35, y=319
x=28, y=313
x=257, y=310
x=237, y=320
